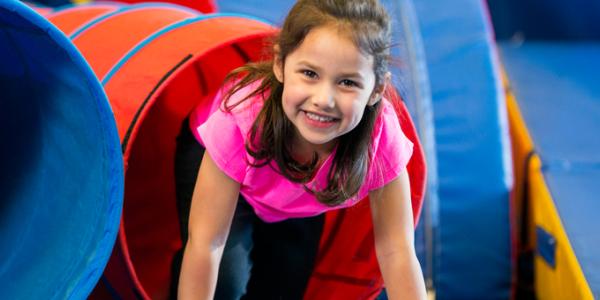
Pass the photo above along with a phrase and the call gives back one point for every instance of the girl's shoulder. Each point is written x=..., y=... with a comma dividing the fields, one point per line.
x=390, y=148
x=240, y=106
x=386, y=124
x=388, y=142
x=387, y=110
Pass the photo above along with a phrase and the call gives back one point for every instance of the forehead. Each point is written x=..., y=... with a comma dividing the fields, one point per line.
x=329, y=47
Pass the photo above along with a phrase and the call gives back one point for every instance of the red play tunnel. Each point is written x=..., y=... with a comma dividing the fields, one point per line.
x=203, y=6
x=156, y=63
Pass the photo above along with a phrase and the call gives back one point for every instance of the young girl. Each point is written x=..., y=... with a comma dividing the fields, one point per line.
x=297, y=136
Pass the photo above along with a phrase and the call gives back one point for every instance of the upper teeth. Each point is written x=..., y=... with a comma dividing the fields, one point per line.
x=318, y=118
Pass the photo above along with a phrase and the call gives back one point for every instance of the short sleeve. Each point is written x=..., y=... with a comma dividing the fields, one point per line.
x=392, y=150
x=222, y=138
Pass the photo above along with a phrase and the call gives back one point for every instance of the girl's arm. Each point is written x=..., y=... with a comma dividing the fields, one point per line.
x=394, y=234
x=213, y=204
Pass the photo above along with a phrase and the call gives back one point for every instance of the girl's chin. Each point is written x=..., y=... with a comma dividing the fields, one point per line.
x=320, y=143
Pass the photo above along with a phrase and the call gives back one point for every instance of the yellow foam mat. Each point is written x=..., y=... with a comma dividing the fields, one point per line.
x=565, y=280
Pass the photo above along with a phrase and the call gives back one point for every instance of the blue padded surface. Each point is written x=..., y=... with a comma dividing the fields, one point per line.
x=409, y=76
x=546, y=20
x=475, y=175
x=557, y=87
x=61, y=170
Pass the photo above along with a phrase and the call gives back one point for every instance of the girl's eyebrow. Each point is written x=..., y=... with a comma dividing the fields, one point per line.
x=309, y=65
x=355, y=75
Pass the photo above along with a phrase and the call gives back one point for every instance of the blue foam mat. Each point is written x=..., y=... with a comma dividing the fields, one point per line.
x=557, y=88
x=548, y=20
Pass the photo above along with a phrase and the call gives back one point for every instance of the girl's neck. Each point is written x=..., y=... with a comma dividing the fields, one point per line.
x=303, y=151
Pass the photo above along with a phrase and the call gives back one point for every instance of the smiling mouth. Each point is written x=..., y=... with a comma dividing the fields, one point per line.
x=320, y=118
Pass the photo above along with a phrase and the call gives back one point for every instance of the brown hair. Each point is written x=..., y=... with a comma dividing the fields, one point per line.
x=367, y=25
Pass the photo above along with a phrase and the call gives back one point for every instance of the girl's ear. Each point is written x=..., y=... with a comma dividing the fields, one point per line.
x=277, y=64
x=379, y=90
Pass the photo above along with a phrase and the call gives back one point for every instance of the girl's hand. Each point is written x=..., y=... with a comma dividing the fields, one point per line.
x=394, y=240
x=213, y=205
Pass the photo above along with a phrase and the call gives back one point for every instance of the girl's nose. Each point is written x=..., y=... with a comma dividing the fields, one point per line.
x=324, y=97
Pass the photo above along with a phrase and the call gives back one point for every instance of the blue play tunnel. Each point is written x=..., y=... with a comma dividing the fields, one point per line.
x=61, y=168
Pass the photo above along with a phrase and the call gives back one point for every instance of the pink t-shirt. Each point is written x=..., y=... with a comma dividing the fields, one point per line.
x=274, y=197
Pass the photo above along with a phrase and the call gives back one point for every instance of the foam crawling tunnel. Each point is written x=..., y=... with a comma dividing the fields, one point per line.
x=61, y=170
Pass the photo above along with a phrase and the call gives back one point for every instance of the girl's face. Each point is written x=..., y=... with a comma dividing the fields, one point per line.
x=327, y=83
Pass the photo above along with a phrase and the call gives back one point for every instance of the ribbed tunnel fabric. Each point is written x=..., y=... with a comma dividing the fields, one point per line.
x=156, y=63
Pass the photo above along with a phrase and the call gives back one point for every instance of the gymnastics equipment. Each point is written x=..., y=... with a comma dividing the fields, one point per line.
x=551, y=55
x=475, y=253
x=555, y=146
x=61, y=169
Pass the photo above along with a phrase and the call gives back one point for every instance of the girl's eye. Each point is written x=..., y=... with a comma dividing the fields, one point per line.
x=309, y=73
x=348, y=83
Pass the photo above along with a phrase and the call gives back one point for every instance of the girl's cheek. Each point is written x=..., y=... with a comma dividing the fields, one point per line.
x=298, y=88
